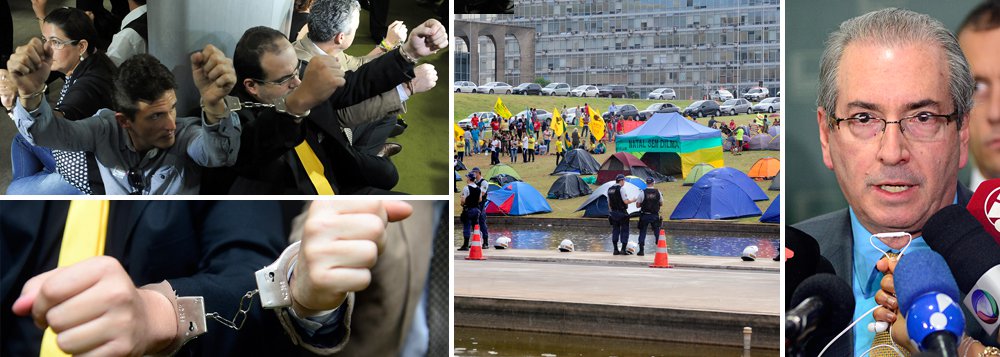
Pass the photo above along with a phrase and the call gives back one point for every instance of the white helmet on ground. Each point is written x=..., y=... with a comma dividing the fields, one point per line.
x=566, y=246
x=502, y=243
x=750, y=253
x=631, y=248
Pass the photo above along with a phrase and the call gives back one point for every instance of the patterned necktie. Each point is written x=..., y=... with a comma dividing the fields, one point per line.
x=83, y=238
x=437, y=294
x=884, y=338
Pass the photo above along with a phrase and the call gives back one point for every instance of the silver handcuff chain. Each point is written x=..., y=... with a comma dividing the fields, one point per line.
x=236, y=323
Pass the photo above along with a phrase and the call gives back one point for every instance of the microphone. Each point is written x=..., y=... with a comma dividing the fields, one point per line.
x=927, y=296
x=805, y=261
x=824, y=305
x=972, y=256
x=985, y=206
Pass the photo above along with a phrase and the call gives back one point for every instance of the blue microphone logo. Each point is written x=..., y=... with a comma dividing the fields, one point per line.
x=934, y=312
x=985, y=306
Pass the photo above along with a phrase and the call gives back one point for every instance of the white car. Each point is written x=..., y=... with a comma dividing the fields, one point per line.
x=584, y=91
x=720, y=95
x=495, y=87
x=542, y=114
x=486, y=117
x=556, y=89
x=465, y=87
x=662, y=94
x=769, y=105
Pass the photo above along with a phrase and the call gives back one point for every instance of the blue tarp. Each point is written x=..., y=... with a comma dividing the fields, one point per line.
x=773, y=212
x=713, y=198
x=739, y=178
x=672, y=125
x=517, y=199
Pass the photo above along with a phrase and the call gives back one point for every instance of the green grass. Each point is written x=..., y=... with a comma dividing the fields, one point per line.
x=537, y=173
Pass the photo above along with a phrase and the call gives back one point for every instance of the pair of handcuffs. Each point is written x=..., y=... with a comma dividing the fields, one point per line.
x=272, y=286
x=233, y=104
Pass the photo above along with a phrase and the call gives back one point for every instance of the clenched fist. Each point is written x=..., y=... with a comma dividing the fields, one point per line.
x=323, y=76
x=96, y=311
x=427, y=38
x=395, y=33
x=425, y=77
x=341, y=241
x=214, y=76
x=30, y=66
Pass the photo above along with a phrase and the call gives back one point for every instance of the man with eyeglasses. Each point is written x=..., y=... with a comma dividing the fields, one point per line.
x=895, y=93
x=142, y=147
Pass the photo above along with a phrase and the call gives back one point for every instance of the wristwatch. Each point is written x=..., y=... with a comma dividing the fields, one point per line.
x=281, y=107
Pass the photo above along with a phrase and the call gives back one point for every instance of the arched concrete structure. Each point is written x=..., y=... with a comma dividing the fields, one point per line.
x=469, y=31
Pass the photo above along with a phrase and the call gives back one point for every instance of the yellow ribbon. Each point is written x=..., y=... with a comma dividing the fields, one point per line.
x=314, y=168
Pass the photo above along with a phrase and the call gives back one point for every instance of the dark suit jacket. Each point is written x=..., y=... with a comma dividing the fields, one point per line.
x=208, y=249
x=836, y=243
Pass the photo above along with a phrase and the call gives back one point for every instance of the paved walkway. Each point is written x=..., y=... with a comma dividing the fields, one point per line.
x=606, y=258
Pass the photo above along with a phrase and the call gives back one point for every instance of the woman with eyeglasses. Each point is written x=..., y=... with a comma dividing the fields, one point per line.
x=76, y=51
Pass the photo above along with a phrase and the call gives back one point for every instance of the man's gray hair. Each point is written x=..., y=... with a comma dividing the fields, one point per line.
x=328, y=18
x=894, y=27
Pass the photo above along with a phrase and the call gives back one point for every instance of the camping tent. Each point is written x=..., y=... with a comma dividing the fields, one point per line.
x=765, y=168
x=637, y=181
x=697, y=172
x=774, y=130
x=775, y=143
x=503, y=179
x=627, y=164
x=516, y=199
x=459, y=166
x=597, y=204
x=760, y=142
x=773, y=212
x=776, y=182
x=730, y=141
x=672, y=133
x=666, y=163
x=715, y=198
x=740, y=179
x=568, y=186
x=502, y=169
x=457, y=176
x=579, y=161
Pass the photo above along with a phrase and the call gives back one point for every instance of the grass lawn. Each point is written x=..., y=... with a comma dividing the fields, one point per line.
x=537, y=173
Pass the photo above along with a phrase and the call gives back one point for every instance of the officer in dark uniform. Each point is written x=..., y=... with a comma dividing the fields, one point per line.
x=649, y=205
x=483, y=187
x=471, y=195
x=618, y=203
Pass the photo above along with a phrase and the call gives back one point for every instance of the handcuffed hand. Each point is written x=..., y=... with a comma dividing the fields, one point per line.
x=425, y=77
x=323, y=76
x=426, y=39
x=214, y=76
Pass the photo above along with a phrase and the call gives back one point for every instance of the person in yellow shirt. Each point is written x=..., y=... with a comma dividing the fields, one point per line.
x=531, y=147
x=559, y=150
x=460, y=148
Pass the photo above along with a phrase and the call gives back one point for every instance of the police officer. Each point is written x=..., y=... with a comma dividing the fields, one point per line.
x=618, y=202
x=471, y=195
x=649, y=205
x=483, y=188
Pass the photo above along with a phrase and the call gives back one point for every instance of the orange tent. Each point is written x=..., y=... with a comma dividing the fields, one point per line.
x=765, y=169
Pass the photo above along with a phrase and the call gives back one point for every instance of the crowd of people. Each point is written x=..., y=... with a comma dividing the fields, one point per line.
x=278, y=115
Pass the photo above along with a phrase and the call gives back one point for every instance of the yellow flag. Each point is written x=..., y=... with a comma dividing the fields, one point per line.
x=557, y=122
x=459, y=132
x=501, y=109
x=596, y=124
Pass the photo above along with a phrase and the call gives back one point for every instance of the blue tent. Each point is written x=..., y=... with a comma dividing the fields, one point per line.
x=597, y=204
x=516, y=199
x=740, y=179
x=637, y=181
x=773, y=212
x=714, y=198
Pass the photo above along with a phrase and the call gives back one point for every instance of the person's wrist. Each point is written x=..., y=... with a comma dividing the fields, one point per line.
x=407, y=53
x=161, y=322
x=296, y=103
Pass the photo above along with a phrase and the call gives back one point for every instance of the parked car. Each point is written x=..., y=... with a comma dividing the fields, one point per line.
x=556, y=89
x=662, y=94
x=756, y=94
x=623, y=111
x=486, y=117
x=769, y=105
x=570, y=115
x=584, y=91
x=613, y=91
x=721, y=95
x=703, y=108
x=733, y=106
x=528, y=88
x=658, y=108
x=495, y=87
x=542, y=114
x=465, y=87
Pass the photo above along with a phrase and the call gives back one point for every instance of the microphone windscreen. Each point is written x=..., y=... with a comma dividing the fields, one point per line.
x=985, y=206
x=969, y=251
x=836, y=295
x=921, y=272
x=804, y=262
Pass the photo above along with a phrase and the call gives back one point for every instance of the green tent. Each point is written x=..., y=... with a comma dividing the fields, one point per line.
x=502, y=169
x=696, y=172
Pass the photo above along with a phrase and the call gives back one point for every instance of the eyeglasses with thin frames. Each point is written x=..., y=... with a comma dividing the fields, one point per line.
x=283, y=80
x=922, y=127
x=57, y=43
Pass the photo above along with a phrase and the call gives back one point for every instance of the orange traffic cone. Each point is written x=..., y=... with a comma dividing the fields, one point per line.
x=661, y=260
x=476, y=250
